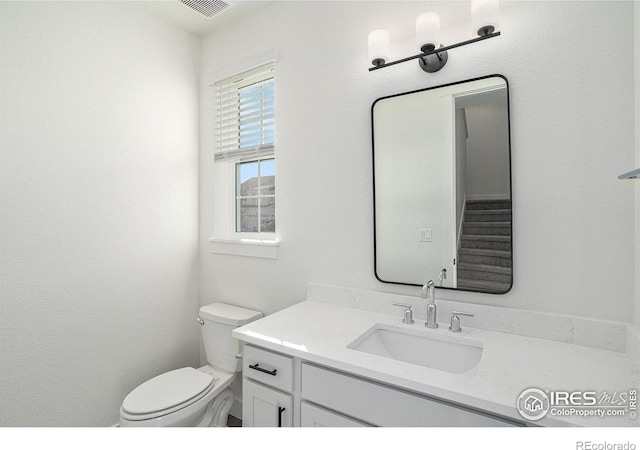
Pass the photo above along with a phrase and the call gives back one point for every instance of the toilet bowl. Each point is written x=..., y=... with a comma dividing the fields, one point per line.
x=190, y=397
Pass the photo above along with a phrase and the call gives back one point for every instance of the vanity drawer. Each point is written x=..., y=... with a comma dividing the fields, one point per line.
x=272, y=369
x=386, y=406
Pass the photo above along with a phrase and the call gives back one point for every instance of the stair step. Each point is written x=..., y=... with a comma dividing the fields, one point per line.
x=485, y=252
x=484, y=286
x=471, y=241
x=487, y=228
x=474, y=237
x=488, y=204
x=485, y=268
x=490, y=257
x=484, y=272
x=488, y=215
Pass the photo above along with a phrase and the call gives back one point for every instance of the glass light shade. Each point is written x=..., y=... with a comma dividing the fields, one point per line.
x=379, y=47
x=485, y=16
x=428, y=31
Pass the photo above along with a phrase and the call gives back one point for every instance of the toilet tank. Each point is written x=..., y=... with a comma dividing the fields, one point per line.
x=218, y=319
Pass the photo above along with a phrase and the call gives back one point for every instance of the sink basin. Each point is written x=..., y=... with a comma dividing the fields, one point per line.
x=421, y=347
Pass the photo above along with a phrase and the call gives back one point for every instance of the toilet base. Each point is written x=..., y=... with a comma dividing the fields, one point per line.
x=220, y=409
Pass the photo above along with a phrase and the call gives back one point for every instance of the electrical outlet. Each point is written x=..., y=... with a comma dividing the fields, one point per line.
x=425, y=235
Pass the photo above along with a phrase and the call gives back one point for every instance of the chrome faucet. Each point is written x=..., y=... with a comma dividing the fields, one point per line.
x=442, y=276
x=429, y=293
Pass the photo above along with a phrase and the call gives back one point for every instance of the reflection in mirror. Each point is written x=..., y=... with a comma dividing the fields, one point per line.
x=442, y=186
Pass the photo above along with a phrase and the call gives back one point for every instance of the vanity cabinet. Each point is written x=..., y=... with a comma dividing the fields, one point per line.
x=267, y=385
x=279, y=390
x=383, y=405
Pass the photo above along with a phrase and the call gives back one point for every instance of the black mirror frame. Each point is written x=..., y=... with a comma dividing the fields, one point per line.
x=375, y=250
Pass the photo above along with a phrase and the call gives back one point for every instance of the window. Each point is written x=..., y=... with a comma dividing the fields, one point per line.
x=255, y=196
x=245, y=106
x=245, y=150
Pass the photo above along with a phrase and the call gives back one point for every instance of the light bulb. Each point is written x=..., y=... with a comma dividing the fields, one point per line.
x=378, y=47
x=428, y=31
x=485, y=16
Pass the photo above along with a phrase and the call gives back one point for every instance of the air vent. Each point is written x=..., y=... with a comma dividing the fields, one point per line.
x=206, y=8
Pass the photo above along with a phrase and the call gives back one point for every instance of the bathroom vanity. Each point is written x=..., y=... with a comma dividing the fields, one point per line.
x=331, y=398
x=322, y=363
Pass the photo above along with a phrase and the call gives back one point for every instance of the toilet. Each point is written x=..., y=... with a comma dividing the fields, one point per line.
x=189, y=397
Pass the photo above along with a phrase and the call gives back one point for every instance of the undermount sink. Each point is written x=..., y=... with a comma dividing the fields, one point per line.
x=421, y=347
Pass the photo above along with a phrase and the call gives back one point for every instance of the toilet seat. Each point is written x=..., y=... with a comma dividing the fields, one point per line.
x=167, y=393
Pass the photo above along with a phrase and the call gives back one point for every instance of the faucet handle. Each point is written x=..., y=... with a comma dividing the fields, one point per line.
x=455, y=321
x=408, y=312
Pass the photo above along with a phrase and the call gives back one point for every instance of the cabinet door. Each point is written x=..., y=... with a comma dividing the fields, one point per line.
x=265, y=407
x=314, y=416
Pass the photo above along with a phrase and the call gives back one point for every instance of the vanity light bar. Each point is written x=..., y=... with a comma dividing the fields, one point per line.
x=485, y=17
x=436, y=51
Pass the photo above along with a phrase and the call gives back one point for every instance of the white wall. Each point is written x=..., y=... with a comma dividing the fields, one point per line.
x=411, y=140
x=637, y=121
x=98, y=200
x=488, y=150
x=572, y=134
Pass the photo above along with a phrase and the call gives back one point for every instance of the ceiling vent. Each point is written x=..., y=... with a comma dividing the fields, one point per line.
x=206, y=8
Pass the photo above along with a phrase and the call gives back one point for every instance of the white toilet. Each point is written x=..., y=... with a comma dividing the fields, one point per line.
x=191, y=397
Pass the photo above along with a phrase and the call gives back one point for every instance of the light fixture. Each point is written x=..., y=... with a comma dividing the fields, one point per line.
x=428, y=38
x=379, y=47
x=433, y=54
x=428, y=31
x=485, y=15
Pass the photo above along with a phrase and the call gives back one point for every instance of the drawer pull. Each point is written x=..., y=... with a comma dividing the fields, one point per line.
x=280, y=411
x=260, y=369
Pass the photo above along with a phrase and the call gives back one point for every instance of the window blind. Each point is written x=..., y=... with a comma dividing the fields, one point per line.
x=245, y=114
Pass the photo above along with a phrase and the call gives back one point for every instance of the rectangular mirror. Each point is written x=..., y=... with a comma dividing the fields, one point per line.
x=442, y=186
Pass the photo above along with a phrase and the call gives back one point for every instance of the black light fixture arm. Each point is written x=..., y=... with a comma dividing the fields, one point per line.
x=436, y=51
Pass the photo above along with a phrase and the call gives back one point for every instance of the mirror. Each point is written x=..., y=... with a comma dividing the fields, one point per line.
x=442, y=186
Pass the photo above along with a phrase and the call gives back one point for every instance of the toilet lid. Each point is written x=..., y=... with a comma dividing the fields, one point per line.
x=167, y=390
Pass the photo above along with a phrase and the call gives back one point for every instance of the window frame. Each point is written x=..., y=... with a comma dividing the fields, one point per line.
x=224, y=238
x=233, y=214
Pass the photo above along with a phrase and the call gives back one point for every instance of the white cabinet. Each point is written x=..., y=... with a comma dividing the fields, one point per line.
x=266, y=388
x=386, y=406
x=315, y=416
x=279, y=390
x=265, y=407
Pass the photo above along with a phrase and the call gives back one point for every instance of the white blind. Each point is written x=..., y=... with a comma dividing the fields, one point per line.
x=245, y=114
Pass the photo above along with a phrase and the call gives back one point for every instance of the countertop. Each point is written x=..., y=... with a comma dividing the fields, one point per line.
x=320, y=333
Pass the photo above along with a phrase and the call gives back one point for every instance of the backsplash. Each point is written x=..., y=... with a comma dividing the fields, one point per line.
x=602, y=334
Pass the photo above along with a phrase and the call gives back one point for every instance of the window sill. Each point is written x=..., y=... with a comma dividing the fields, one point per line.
x=255, y=248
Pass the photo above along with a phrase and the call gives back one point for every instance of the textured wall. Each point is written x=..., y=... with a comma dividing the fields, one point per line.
x=572, y=134
x=98, y=201
x=637, y=117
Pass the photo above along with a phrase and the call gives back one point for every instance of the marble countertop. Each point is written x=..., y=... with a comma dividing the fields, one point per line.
x=319, y=332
